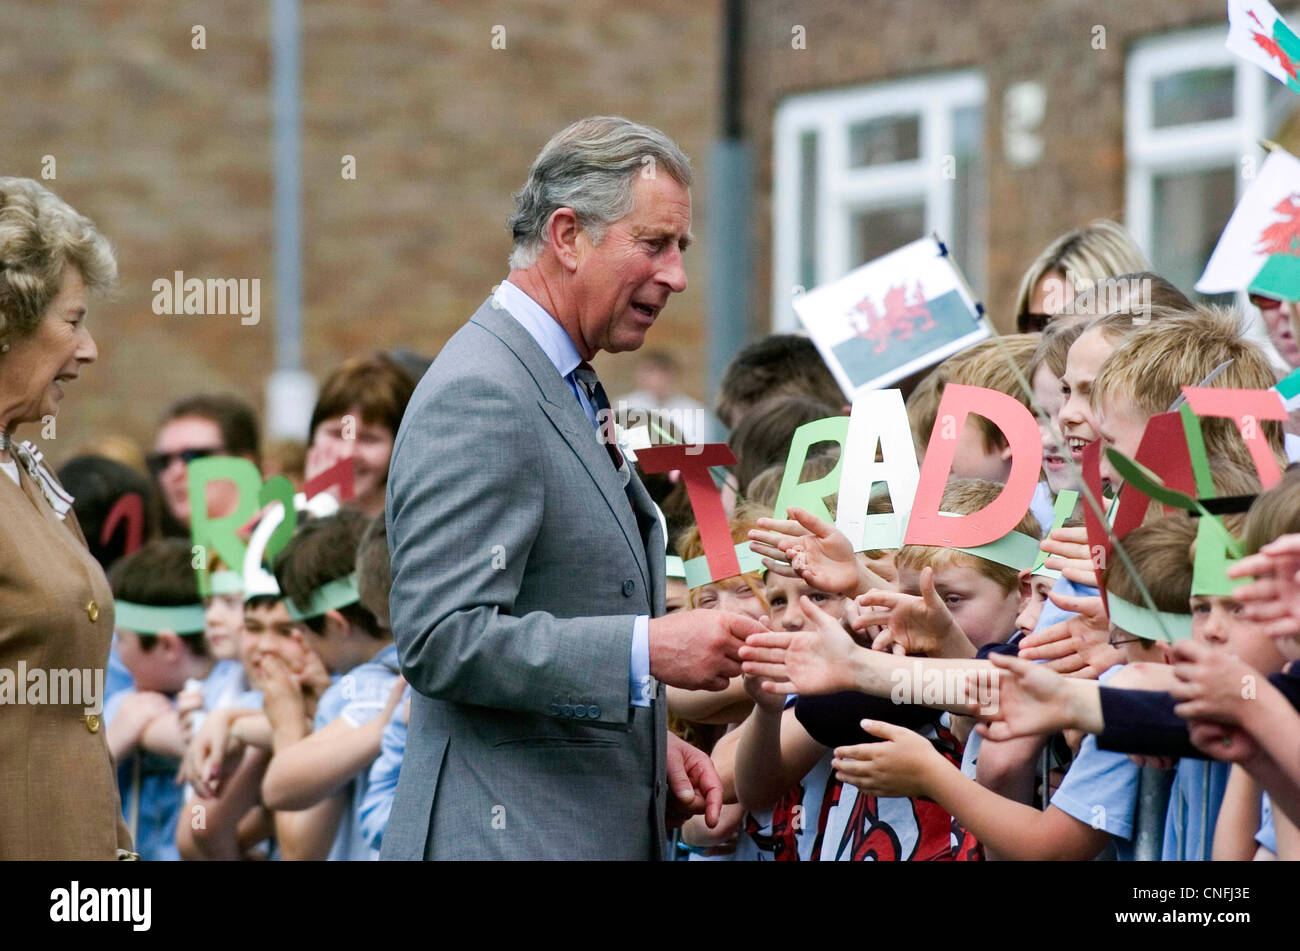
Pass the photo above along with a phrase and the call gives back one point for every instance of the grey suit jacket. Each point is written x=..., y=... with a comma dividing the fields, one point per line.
x=518, y=569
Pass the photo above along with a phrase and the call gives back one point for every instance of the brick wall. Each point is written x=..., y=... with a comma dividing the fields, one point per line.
x=168, y=149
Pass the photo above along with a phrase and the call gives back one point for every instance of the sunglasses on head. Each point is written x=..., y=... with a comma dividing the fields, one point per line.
x=1264, y=303
x=158, y=462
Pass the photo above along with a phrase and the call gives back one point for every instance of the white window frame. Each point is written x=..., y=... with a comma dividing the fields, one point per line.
x=1193, y=146
x=842, y=190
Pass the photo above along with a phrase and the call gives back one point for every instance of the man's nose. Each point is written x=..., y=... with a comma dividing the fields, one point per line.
x=674, y=272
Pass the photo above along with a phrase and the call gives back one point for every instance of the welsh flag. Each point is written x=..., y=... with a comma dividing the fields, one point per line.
x=1256, y=33
x=1259, y=250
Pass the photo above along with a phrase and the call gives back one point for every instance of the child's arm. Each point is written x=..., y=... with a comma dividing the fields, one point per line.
x=1030, y=699
x=907, y=764
x=1008, y=768
x=319, y=765
x=164, y=735
x=208, y=828
x=134, y=714
x=823, y=658
x=773, y=752
x=730, y=705
x=307, y=835
x=1234, y=832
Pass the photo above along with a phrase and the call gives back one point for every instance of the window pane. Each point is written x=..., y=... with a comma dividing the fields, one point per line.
x=1190, y=210
x=970, y=201
x=1198, y=95
x=807, y=270
x=885, y=139
x=877, y=231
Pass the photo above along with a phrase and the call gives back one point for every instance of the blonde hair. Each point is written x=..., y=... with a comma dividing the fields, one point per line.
x=1161, y=553
x=965, y=497
x=996, y=364
x=40, y=235
x=690, y=545
x=1153, y=364
x=1103, y=249
x=1054, y=346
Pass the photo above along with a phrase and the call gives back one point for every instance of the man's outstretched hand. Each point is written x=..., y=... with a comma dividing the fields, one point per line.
x=694, y=784
x=699, y=650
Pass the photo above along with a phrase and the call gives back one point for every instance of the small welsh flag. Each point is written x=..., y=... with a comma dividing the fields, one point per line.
x=1259, y=250
x=1258, y=34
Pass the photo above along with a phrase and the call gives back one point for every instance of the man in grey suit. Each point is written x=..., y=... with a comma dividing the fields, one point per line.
x=528, y=559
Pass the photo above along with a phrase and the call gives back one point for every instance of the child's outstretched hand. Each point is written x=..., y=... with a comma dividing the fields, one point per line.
x=772, y=655
x=903, y=765
x=1273, y=598
x=807, y=547
x=1068, y=553
x=1212, y=684
x=1079, y=645
x=208, y=756
x=812, y=661
x=1227, y=743
x=1027, y=700
x=916, y=626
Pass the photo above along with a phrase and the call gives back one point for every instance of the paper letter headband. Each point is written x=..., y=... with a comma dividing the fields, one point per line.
x=152, y=619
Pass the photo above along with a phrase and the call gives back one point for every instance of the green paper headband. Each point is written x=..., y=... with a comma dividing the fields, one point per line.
x=697, y=569
x=226, y=581
x=1062, y=509
x=1143, y=622
x=1014, y=549
x=330, y=596
x=675, y=568
x=152, y=619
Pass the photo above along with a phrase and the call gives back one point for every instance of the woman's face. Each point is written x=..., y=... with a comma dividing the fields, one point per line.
x=368, y=445
x=35, y=366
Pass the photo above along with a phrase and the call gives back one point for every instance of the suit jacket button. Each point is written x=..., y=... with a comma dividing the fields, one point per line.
x=92, y=722
x=566, y=710
x=593, y=712
x=628, y=587
x=580, y=712
x=555, y=709
x=92, y=612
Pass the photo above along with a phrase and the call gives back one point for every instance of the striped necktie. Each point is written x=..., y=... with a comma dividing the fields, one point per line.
x=585, y=374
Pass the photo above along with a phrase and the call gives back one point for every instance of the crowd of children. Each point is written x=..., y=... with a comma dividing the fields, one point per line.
x=908, y=701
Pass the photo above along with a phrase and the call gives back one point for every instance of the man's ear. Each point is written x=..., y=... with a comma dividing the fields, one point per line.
x=336, y=625
x=562, y=232
x=170, y=643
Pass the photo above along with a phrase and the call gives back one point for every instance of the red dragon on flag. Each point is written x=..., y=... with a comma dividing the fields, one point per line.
x=1283, y=237
x=899, y=320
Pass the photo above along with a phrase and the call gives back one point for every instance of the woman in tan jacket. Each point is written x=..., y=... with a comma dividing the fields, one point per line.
x=58, y=792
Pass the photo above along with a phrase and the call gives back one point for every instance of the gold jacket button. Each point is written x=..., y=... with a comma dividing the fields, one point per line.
x=92, y=722
x=92, y=611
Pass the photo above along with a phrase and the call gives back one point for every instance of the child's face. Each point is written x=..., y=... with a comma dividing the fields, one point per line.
x=1033, y=595
x=1081, y=365
x=782, y=595
x=985, y=612
x=1047, y=391
x=1120, y=425
x=1138, y=651
x=973, y=458
x=158, y=669
x=268, y=630
x=223, y=617
x=675, y=594
x=1220, y=622
x=731, y=594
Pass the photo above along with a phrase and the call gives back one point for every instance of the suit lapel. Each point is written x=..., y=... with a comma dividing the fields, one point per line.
x=565, y=413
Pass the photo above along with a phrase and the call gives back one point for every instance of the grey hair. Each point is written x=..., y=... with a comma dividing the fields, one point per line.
x=590, y=167
x=40, y=234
